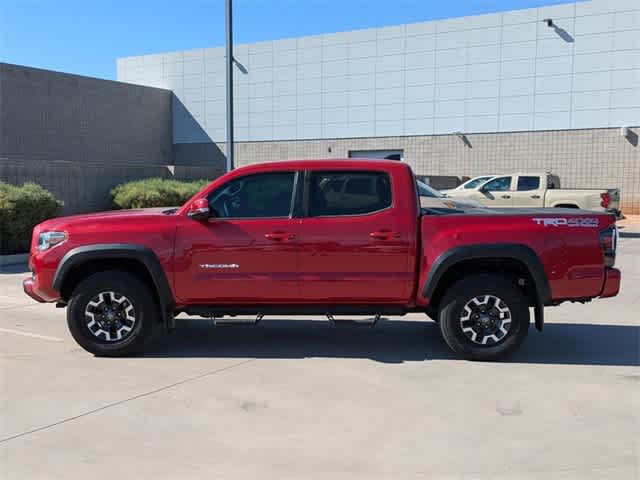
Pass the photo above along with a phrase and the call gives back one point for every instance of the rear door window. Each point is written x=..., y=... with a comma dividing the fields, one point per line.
x=348, y=193
x=528, y=183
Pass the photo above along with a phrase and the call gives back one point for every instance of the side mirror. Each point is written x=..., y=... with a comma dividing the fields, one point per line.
x=199, y=210
x=484, y=189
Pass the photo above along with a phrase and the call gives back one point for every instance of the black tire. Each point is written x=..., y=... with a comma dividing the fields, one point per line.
x=136, y=293
x=453, y=308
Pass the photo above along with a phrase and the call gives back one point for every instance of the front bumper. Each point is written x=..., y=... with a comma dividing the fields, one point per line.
x=611, y=285
x=29, y=285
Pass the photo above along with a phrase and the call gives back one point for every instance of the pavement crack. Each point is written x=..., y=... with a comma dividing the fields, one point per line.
x=124, y=400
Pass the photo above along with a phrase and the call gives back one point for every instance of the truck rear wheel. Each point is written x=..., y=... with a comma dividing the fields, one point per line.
x=484, y=317
x=112, y=314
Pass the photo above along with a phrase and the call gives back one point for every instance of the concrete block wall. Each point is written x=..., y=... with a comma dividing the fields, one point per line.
x=79, y=137
x=49, y=115
x=590, y=158
x=85, y=187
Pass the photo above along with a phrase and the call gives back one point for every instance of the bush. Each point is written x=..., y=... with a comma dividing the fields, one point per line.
x=154, y=192
x=21, y=209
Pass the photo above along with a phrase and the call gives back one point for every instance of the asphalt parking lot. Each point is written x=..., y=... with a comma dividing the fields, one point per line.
x=305, y=399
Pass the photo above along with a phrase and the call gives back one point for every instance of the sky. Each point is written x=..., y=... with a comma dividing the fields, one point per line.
x=86, y=36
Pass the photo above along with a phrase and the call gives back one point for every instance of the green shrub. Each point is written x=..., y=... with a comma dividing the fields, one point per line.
x=154, y=192
x=21, y=209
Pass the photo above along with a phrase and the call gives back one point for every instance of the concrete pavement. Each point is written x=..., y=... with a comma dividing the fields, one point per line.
x=304, y=399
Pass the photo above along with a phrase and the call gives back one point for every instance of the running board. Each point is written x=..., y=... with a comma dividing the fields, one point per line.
x=215, y=311
x=360, y=322
x=223, y=321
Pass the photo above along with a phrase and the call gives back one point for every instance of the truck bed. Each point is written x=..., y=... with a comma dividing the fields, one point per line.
x=513, y=212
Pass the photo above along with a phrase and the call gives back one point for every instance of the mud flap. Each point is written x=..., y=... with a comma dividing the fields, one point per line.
x=168, y=321
x=538, y=313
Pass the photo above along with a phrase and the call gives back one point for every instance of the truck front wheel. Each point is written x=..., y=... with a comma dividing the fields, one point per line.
x=112, y=314
x=484, y=317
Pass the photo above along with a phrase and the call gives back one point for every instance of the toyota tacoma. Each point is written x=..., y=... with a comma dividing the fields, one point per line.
x=538, y=190
x=320, y=237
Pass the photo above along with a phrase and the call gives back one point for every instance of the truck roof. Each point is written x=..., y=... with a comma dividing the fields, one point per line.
x=540, y=174
x=323, y=163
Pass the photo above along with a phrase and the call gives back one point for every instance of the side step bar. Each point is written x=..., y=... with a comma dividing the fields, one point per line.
x=214, y=311
x=365, y=322
x=231, y=320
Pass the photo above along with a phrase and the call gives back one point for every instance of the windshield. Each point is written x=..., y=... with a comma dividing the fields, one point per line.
x=425, y=190
x=475, y=182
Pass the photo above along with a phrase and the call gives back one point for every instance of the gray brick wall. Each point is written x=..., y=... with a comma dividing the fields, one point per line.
x=79, y=137
x=583, y=158
x=49, y=115
x=85, y=187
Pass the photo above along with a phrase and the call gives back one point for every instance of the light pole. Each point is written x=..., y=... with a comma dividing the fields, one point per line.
x=229, y=75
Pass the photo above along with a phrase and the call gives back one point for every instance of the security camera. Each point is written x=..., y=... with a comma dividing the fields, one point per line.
x=549, y=22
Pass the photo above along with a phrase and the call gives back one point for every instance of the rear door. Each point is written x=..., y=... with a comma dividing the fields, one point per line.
x=529, y=191
x=496, y=192
x=353, y=246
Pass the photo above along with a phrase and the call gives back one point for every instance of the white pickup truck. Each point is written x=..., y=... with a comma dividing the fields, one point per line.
x=538, y=190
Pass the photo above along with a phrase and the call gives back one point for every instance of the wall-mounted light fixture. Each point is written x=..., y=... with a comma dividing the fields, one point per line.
x=629, y=135
x=463, y=138
x=562, y=33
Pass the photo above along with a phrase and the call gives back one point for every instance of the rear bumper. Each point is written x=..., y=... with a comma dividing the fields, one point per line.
x=611, y=285
x=28, y=285
x=615, y=212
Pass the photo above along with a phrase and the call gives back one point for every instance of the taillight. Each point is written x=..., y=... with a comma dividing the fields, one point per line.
x=609, y=243
x=605, y=200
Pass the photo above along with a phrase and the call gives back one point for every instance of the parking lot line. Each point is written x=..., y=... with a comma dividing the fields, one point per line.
x=29, y=334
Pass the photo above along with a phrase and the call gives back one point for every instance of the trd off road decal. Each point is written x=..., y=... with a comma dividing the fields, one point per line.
x=584, y=222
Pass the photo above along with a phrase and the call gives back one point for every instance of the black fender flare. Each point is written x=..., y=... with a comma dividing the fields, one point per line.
x=511, y=251
x=79, y=255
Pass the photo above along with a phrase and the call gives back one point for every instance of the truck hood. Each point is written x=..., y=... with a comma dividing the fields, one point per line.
x=460, y=193
x=120, y=216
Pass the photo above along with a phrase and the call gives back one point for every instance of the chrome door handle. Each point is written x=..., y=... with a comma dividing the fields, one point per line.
x=384, y=234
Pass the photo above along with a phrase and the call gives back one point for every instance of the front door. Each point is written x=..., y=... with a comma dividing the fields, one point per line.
x=353, y=247
x=495, y=193
x=249, y=251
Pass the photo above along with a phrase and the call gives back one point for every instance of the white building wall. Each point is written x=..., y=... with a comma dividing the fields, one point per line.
x=490, y=73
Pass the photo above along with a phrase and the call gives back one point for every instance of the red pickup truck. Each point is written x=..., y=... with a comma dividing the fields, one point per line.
x=320, y=237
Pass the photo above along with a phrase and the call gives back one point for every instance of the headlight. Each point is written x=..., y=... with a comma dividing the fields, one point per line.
x=47, y=240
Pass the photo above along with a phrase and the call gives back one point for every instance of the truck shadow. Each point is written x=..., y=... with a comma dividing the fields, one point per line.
x=393, y=341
